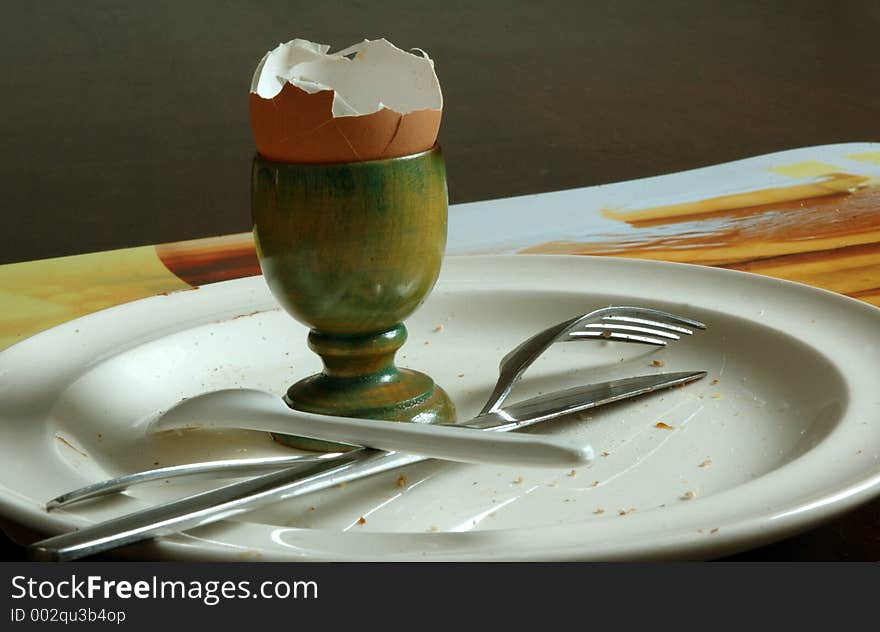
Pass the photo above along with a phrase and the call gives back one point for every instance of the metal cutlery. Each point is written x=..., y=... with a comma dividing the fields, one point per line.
x=610, y=323
x=619, y=323
x=243, y=496
x=223, y=468
x=293, y=481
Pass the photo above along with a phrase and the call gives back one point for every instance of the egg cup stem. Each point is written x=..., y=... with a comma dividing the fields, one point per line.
x=361, y=380
x=351, y=250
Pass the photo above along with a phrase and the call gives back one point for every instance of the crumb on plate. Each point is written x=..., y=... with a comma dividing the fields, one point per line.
x=70, y=445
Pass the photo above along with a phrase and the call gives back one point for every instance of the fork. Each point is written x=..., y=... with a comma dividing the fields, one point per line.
x=621, y=323
x=617, y=323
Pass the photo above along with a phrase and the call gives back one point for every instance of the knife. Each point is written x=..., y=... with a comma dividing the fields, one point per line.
x=243, y=496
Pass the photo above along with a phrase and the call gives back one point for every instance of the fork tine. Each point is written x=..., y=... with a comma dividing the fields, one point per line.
x=651, y=323
x=514, y=364
x=656, y=313
x=661, y=333
x=613, y=335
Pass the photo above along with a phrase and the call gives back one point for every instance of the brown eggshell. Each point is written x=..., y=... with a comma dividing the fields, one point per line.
x=414, y=128
x=298, y=127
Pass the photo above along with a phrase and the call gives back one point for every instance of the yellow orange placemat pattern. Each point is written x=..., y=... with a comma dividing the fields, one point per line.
x=37, y=295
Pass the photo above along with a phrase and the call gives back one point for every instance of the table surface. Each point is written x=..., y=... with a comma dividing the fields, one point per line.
x=126, y=127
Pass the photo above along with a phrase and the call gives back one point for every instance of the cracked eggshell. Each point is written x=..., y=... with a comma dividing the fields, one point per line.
x=367, y=102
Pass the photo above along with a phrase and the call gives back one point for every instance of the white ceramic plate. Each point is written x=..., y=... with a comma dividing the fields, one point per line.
x=782, y=434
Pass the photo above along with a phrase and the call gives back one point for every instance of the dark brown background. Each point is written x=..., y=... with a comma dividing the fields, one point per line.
x=126, y=123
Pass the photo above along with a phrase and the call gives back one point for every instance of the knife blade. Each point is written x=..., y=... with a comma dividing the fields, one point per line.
x=243, y=496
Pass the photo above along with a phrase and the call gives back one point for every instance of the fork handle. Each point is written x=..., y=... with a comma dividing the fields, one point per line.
x=515, y=363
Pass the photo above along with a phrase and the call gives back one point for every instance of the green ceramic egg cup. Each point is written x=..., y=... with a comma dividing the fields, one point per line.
x=351, y=250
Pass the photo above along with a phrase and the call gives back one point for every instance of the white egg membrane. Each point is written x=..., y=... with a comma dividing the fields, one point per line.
x=364, y=78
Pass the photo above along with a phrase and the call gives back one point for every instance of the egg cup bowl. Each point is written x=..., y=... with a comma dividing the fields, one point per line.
x=350, y=250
